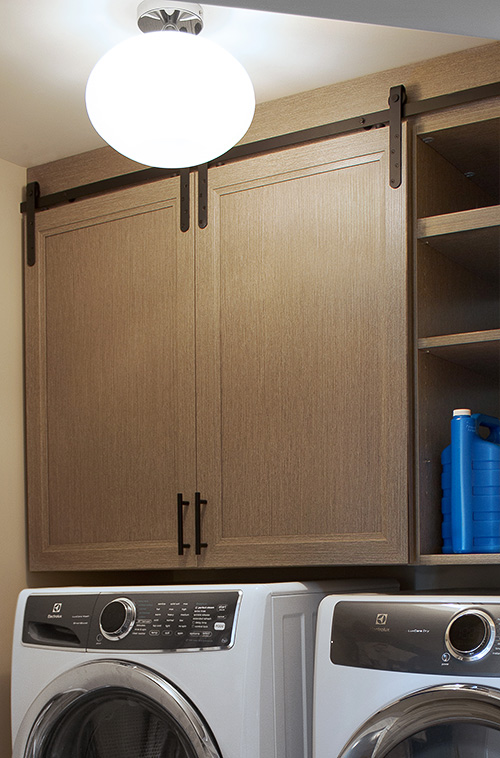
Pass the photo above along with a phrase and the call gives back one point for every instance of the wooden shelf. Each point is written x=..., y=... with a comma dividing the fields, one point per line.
x=471, y=238
x=454, y=559
x=477, y=351
x=457, y=299
x=452, y=223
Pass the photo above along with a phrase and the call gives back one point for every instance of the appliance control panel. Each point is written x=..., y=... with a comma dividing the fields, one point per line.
x=429, y=638
x=135, y=621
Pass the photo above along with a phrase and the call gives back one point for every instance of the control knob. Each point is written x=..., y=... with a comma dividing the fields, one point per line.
x=470, y=635
x=117, y=618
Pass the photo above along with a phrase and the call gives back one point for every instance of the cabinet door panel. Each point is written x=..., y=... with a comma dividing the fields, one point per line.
x=302, y=359
x=111, y=349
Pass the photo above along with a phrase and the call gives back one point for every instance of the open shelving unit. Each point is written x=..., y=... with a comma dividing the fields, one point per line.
x=457, y=295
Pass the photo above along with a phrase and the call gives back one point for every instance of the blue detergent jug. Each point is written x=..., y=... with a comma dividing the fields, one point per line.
x=471, y=485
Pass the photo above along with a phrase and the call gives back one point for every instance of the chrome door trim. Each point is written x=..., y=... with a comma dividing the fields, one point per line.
x=65, y=690
x=445, y=703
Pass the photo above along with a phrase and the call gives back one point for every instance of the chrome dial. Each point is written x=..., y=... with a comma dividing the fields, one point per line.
x=470, y=635
x=117, y=618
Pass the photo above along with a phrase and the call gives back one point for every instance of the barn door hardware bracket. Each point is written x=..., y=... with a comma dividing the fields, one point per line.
x=32, y=195
x=397, y=98
x=184, y=173
x=393, y=115
x=203, y=195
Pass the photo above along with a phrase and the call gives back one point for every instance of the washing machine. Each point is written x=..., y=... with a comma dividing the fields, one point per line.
x=220, y=671
x=407, y=676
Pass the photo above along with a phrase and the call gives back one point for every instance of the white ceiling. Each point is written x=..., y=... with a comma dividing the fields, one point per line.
x=48, y=48
x=480, y=18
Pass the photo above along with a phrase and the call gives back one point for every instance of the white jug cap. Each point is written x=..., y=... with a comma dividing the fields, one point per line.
x=462, y=412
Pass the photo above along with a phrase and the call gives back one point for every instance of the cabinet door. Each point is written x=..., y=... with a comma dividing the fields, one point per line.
x=110, y=382
x=302, y=359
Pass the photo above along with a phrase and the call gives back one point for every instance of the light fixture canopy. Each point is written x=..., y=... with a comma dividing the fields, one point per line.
x=170, y=98
x=177, y=16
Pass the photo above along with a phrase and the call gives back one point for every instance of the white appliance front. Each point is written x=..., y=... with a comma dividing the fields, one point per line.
x=202, y=671
x=407, y=676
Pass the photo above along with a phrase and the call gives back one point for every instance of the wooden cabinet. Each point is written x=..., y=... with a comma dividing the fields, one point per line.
x=110, y=381
x=457, y=261
x=302, y=358
x=261, y=362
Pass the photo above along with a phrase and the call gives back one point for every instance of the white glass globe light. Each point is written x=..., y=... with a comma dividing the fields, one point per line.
x=170, y=99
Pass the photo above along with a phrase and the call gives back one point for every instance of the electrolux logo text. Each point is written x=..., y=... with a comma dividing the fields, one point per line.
x=381, y=621
x=56, y=611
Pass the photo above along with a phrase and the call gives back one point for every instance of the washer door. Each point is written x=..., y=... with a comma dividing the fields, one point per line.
x=113, y=709
x=449, y=721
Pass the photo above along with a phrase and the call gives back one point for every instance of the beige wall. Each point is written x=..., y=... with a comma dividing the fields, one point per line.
x=12, y=530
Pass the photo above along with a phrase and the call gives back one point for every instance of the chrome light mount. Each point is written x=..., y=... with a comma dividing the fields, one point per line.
x=152, y=16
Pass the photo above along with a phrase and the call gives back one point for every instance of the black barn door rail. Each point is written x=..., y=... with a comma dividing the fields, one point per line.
x=398, y=109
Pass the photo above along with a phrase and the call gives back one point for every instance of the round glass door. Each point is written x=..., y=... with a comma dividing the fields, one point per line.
x=113, y=709
x=450, y=741
x=115, y=723
x=450, y=721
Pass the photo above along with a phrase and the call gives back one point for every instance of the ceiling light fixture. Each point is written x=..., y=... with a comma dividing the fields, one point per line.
x=169, y=98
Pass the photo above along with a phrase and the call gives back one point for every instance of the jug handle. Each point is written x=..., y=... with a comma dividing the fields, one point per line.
x=492, y=423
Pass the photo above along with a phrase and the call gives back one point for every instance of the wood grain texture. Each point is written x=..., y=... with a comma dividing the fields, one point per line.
x=454, y=223
x=477, y=351
x=462, y=559
x=464, y=140
x=452, y=297
x=294, y=350
x=472, y=144
x=297, y=363
x=442, y=188
x=302, y=359
x=110, y=377
x=485, y=244
x=470, y=240
x=469, y=338
x=440, y=123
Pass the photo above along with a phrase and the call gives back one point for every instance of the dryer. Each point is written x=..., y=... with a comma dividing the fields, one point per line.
x=407, y=676
x=220, y=671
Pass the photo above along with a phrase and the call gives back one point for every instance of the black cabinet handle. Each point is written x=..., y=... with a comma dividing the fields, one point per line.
x=198, y=502
x=180, y=524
